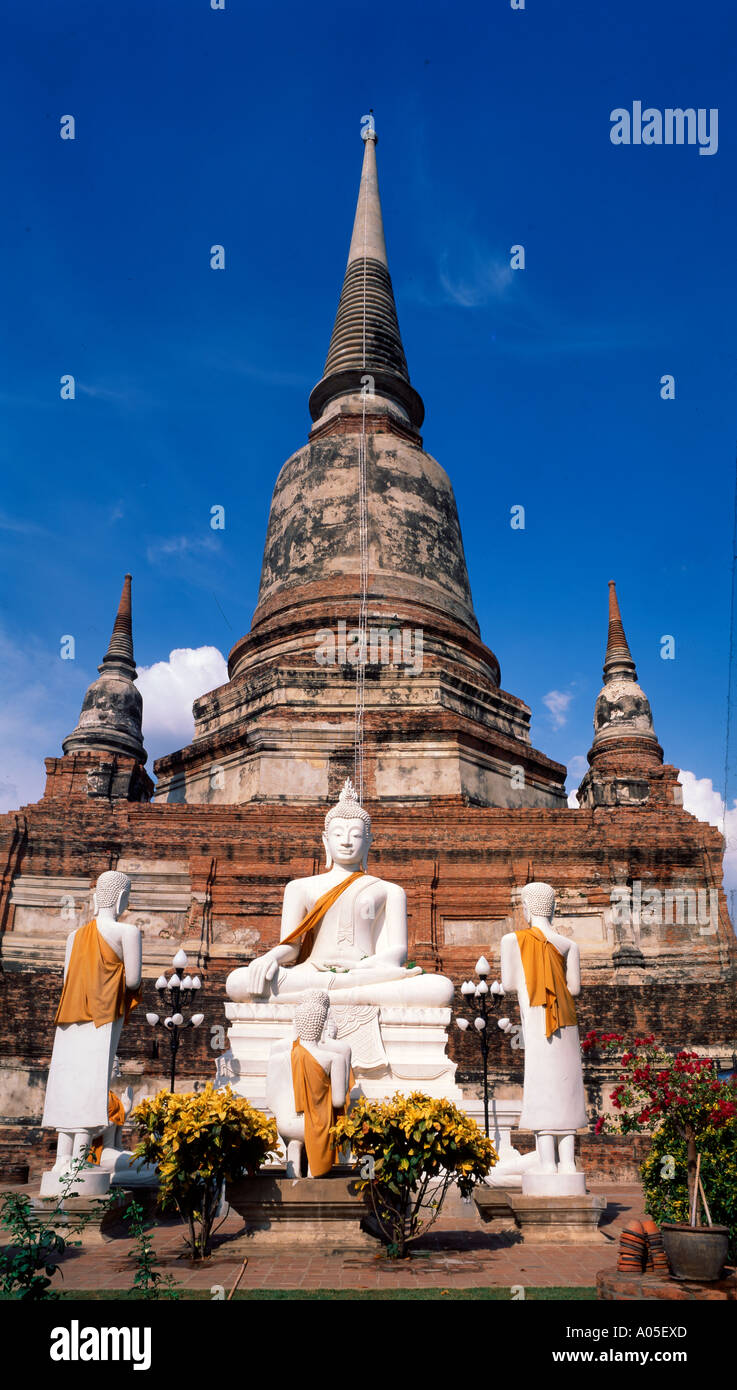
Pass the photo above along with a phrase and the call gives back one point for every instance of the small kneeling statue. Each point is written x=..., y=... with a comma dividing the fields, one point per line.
x=308, y=1084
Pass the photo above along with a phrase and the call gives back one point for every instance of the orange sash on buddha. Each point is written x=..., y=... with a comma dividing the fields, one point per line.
x=545, y=977
x=94, y=990
x=305, y=932
x=116, y=1116
x=313, y=1098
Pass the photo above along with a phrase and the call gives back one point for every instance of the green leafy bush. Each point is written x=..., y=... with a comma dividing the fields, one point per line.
x=410, y=1149
x=148, y=1281
x=199, y=1141
x=664, y=1176
x=29, y=1263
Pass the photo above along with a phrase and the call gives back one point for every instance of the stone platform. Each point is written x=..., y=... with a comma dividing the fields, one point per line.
x=90, y=1221
x=612, y=1286
x=393, y=1049
x=306, y=1212
x=460, y=1252
x=564, y=1220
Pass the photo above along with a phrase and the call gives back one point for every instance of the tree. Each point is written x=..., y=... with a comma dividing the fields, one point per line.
x=657, y=1089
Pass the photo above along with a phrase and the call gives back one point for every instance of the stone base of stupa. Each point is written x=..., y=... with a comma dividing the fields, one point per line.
x=393, y=1049
x=287, y=1212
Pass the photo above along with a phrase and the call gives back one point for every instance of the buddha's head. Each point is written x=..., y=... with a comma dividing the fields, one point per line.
x=538, y=900
x=113, y=890
x=347, y=835
x=310, y=1015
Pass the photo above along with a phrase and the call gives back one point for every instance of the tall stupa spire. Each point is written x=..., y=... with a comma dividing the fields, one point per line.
x=368, y=226
x=112, y=710
x=366, y=341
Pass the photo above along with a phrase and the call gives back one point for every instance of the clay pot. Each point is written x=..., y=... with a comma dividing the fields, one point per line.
x=695, y=1252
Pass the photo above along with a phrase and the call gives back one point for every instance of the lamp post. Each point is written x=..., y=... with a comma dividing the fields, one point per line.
x=174, y=994
x=484, y=998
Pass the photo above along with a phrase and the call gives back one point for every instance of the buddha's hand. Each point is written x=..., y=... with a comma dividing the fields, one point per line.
x=261, y=971
x=339, y=964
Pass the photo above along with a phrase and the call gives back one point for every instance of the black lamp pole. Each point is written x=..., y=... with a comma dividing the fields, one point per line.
x=483, y=999
x=175, y=994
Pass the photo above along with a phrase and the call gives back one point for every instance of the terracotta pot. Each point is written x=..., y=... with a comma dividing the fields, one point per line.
x=695, y=1252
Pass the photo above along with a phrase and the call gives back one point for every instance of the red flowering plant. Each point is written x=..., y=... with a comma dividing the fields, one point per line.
x=656, y=1090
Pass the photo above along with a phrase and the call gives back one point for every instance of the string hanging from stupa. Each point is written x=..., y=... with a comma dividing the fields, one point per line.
x=362, y=530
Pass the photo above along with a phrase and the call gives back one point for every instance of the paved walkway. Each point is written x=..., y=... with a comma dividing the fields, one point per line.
x=459, y=1253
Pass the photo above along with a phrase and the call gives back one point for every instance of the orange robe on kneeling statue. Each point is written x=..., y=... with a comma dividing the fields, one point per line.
x=313, y=1097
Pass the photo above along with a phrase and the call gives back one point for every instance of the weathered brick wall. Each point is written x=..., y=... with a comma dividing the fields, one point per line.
x=456, y=862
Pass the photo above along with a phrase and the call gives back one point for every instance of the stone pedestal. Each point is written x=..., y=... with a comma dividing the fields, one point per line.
x=88, y=1183
x=564, y=1220
x=117, y=1169
x=394, y=1049
x=613, y=1286
x=293, y=1212
x=553, y=1184
x=493, y=1205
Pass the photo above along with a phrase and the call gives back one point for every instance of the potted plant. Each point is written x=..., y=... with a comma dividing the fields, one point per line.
x=409, y=1150
x=692, y=1112
x=199, y=1141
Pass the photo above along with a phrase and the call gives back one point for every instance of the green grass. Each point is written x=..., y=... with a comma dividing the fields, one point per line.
x=532, y=1294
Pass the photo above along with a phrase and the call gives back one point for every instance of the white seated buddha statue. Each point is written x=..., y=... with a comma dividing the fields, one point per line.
x=344, y=931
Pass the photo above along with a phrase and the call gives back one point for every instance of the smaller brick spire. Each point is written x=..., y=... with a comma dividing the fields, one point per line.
x=120, y=647
x=625, y=758
x=618, y=663
x=112, y=709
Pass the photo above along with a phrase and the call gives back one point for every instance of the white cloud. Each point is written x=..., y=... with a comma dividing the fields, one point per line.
x=169, y=689
x=485, y=278
x=577, y=766
x=20, y=525
x=180, y=547
x=557, y=702
x=42, y=696
x=702, y=799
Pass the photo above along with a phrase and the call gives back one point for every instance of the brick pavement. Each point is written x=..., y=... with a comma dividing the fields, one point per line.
x=459, y=1253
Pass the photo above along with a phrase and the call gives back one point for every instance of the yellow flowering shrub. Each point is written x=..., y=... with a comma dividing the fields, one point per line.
x=409, y=1150
x=199, y=1141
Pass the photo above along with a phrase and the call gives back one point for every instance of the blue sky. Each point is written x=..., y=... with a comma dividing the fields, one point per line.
x=541, y=387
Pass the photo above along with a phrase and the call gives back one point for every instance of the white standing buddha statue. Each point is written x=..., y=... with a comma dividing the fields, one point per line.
x=543, y=969
x=102, y=979
x=344, y=931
